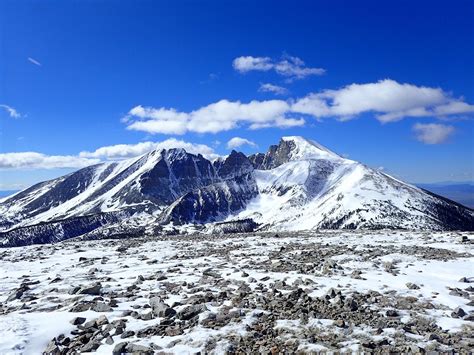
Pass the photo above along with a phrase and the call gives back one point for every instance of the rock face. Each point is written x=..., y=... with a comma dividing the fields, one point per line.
x=298, y=184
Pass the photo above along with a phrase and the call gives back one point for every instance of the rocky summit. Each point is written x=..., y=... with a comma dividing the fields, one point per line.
x=297, y=185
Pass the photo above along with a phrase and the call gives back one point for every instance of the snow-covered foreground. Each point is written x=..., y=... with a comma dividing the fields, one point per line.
x=244, y=293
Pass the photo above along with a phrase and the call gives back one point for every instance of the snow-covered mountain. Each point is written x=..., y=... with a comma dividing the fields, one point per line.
x=298, y=184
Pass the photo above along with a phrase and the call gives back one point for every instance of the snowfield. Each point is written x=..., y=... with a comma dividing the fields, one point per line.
x=306, y=291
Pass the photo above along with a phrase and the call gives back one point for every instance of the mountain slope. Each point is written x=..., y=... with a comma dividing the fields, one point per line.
x=305, y=186
x=298, y=184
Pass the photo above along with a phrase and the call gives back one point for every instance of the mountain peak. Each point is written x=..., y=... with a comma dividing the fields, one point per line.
x=303, y=148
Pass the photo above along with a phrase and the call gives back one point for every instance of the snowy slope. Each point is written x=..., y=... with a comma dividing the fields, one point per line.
x=297, y=185
x=317, y=188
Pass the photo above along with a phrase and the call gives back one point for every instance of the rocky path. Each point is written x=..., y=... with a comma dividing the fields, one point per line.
x=298, y=292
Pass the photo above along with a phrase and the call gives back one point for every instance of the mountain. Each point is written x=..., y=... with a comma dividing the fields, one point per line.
x=298, y=184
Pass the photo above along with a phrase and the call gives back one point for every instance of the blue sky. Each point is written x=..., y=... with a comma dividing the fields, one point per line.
x=391, y=86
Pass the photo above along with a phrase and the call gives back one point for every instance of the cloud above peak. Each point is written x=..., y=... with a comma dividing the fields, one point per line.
x=35, y=160
x=237, y=142
x=292, y=68
x=387, y=100
x=124, y=151
x=222, y=115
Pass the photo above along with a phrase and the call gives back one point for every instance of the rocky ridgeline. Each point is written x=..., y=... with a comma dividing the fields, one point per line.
x=247, y=293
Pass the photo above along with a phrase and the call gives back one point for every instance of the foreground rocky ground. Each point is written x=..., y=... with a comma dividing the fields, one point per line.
x=291, y=292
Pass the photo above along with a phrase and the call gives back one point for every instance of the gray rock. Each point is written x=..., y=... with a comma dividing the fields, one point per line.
x=77, y=320
x=52, y=348
x=138, y=349
x=161, y=309
x=127, y=334
x=94, y=290
x=120, y=348
x=190, y=312
x=91, y=346
x=391, y=313
x=458, y=313
x=102, y=307
x=412, y=286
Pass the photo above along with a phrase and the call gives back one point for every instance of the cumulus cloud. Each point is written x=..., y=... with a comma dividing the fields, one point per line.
x=124, y=151
x=220, y=116
x=388, y=99
x=278, y=90
x=290, y=67
x=11, y=111
x=34, y=61
x=433, y=133
x=34, y=160
x=237, y=142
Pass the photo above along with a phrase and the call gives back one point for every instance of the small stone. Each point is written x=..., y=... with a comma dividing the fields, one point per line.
x=109, y=340
x=101, y=307
x=120, y=348
x=91, y=290
x=209, y=272
x=90, y=346
x=190, y=312
x=102, y=320
x=458, y=313
x=77, y=320
x=127, y=334
x=52, y=348
x=391, y=313
x=340, y=323
x=412, y=286
x=161, y=309
x=138, y=349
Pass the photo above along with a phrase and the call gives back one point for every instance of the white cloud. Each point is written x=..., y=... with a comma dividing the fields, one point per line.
x=278, y=90
x=123, y=151
x=388, y=99
x=248, y=63
x=220, y=116
x=432, y=133
x=11, y=111
x=238, y=142
x=289, y=67
x=34, y=61
x=33, y=160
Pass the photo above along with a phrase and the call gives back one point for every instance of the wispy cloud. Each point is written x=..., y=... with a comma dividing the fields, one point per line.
x=34, y=160
x=288, y=66
x=12, y=112
x=238, y=142
x=433, y=133
x=34, y=61
x=275, y=89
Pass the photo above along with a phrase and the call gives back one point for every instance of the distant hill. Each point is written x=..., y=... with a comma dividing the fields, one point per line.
x=462, y=193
